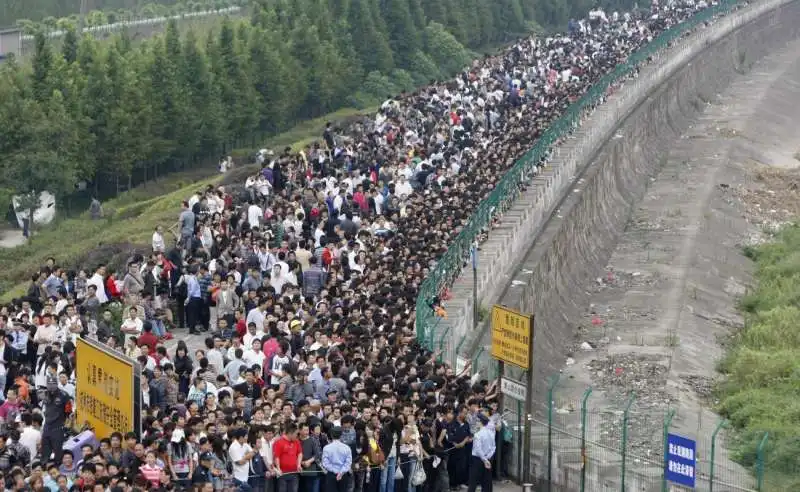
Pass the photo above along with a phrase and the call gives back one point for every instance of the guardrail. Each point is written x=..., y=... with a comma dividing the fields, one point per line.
x=116, y=26
x=450, y=265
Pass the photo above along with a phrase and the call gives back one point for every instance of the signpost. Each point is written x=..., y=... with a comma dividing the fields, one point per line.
x=513, y=389
x=680, y=461
x=461, y=363
x=512, y=342
x=512, y=334
x=108, y=392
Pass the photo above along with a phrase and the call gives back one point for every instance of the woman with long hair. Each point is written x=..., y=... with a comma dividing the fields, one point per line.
x=179, y=459
x=373, y=459
x=183, y=367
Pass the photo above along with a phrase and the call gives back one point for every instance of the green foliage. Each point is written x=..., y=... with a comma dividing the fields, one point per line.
x=762, y=390
x=116, y=112
x=445, y=50
x=132, y=110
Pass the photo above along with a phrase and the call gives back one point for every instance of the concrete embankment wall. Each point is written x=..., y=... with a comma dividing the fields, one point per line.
x=574, y=245
x=566, y=224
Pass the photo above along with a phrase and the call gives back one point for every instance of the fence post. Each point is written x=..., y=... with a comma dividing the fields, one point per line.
x=458, y=350
x=441, y=343
x=432, y=333
x=553, y=382
x=722, y=423
x=625, y=436
x=760, y=462
x=475, y=361
x=586, y=395
x=519, y=442
x=667, y=425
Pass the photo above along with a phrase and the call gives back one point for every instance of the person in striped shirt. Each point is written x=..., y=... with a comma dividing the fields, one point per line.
x=150, y=469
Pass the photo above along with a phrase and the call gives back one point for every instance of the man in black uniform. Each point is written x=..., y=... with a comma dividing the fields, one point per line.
x=55, y=416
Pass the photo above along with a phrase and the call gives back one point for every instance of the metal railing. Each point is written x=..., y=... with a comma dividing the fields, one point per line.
x=452, y=262
x=621, y=447
x=139, y=22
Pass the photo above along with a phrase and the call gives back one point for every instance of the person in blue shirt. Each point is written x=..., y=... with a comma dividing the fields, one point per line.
x=337, y=460
x=194, y=300
x=480, y=465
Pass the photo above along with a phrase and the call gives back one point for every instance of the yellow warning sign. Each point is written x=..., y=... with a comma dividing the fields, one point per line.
x=512, y=335
x=106, y=390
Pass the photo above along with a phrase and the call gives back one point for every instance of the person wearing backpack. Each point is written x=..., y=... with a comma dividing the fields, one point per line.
x=374, y=460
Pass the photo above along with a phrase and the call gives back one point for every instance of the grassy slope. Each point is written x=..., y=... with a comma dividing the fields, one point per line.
x=762, y=389
x=131, y=217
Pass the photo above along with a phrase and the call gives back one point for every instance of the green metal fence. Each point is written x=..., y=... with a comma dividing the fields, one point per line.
x=618, y=445
x=449, y=266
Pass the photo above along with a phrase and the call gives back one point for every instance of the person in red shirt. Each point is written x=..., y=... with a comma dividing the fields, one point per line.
x=288, y=455
x=148, y=339
x=111, y=286
x=241, y=323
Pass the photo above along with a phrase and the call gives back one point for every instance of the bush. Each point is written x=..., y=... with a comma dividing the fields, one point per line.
x=762, y=390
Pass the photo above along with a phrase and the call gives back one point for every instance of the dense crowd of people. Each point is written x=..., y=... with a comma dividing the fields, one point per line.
x=300, y=287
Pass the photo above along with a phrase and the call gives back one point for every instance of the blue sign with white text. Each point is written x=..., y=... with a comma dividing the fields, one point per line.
x=680, y=460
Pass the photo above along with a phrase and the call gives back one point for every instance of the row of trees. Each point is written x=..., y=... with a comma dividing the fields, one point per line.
x=104, y=111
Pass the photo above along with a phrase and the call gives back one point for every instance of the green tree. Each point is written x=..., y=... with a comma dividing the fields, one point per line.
x=197, y=78
x=370, y=43
x=404, y=38
x=41, y=79
x=39, y=144
x=69, y=47
x=509, y=18
x=444, y=49
x=423, y=69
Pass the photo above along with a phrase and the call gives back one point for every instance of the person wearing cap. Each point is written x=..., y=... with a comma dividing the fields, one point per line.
x=483, y=448
x=179, y=458
x=337, y=460
x=203, y=472
x=55, y=416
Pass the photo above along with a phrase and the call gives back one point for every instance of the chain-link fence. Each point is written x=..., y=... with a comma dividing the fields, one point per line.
x=621, y=445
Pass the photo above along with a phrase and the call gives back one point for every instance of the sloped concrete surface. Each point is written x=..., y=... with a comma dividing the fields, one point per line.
x=634, y=278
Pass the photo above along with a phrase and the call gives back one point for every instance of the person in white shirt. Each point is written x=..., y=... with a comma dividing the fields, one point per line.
x=214, y=355
x=158, y=240
x=31, y=435
x=256, y=316
x=193, y=200
x=65, y=386
x=263, y=186
x=253, y=333
x=240, y=453
x=254, y=214
x=46, y=334
x=402, y=187
x=254, y=355
x=98, y=280
x=132, y=326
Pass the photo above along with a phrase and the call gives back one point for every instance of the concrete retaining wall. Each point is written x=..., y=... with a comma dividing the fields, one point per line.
x=568, y=221
x=621, y=147
x=574, y=246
